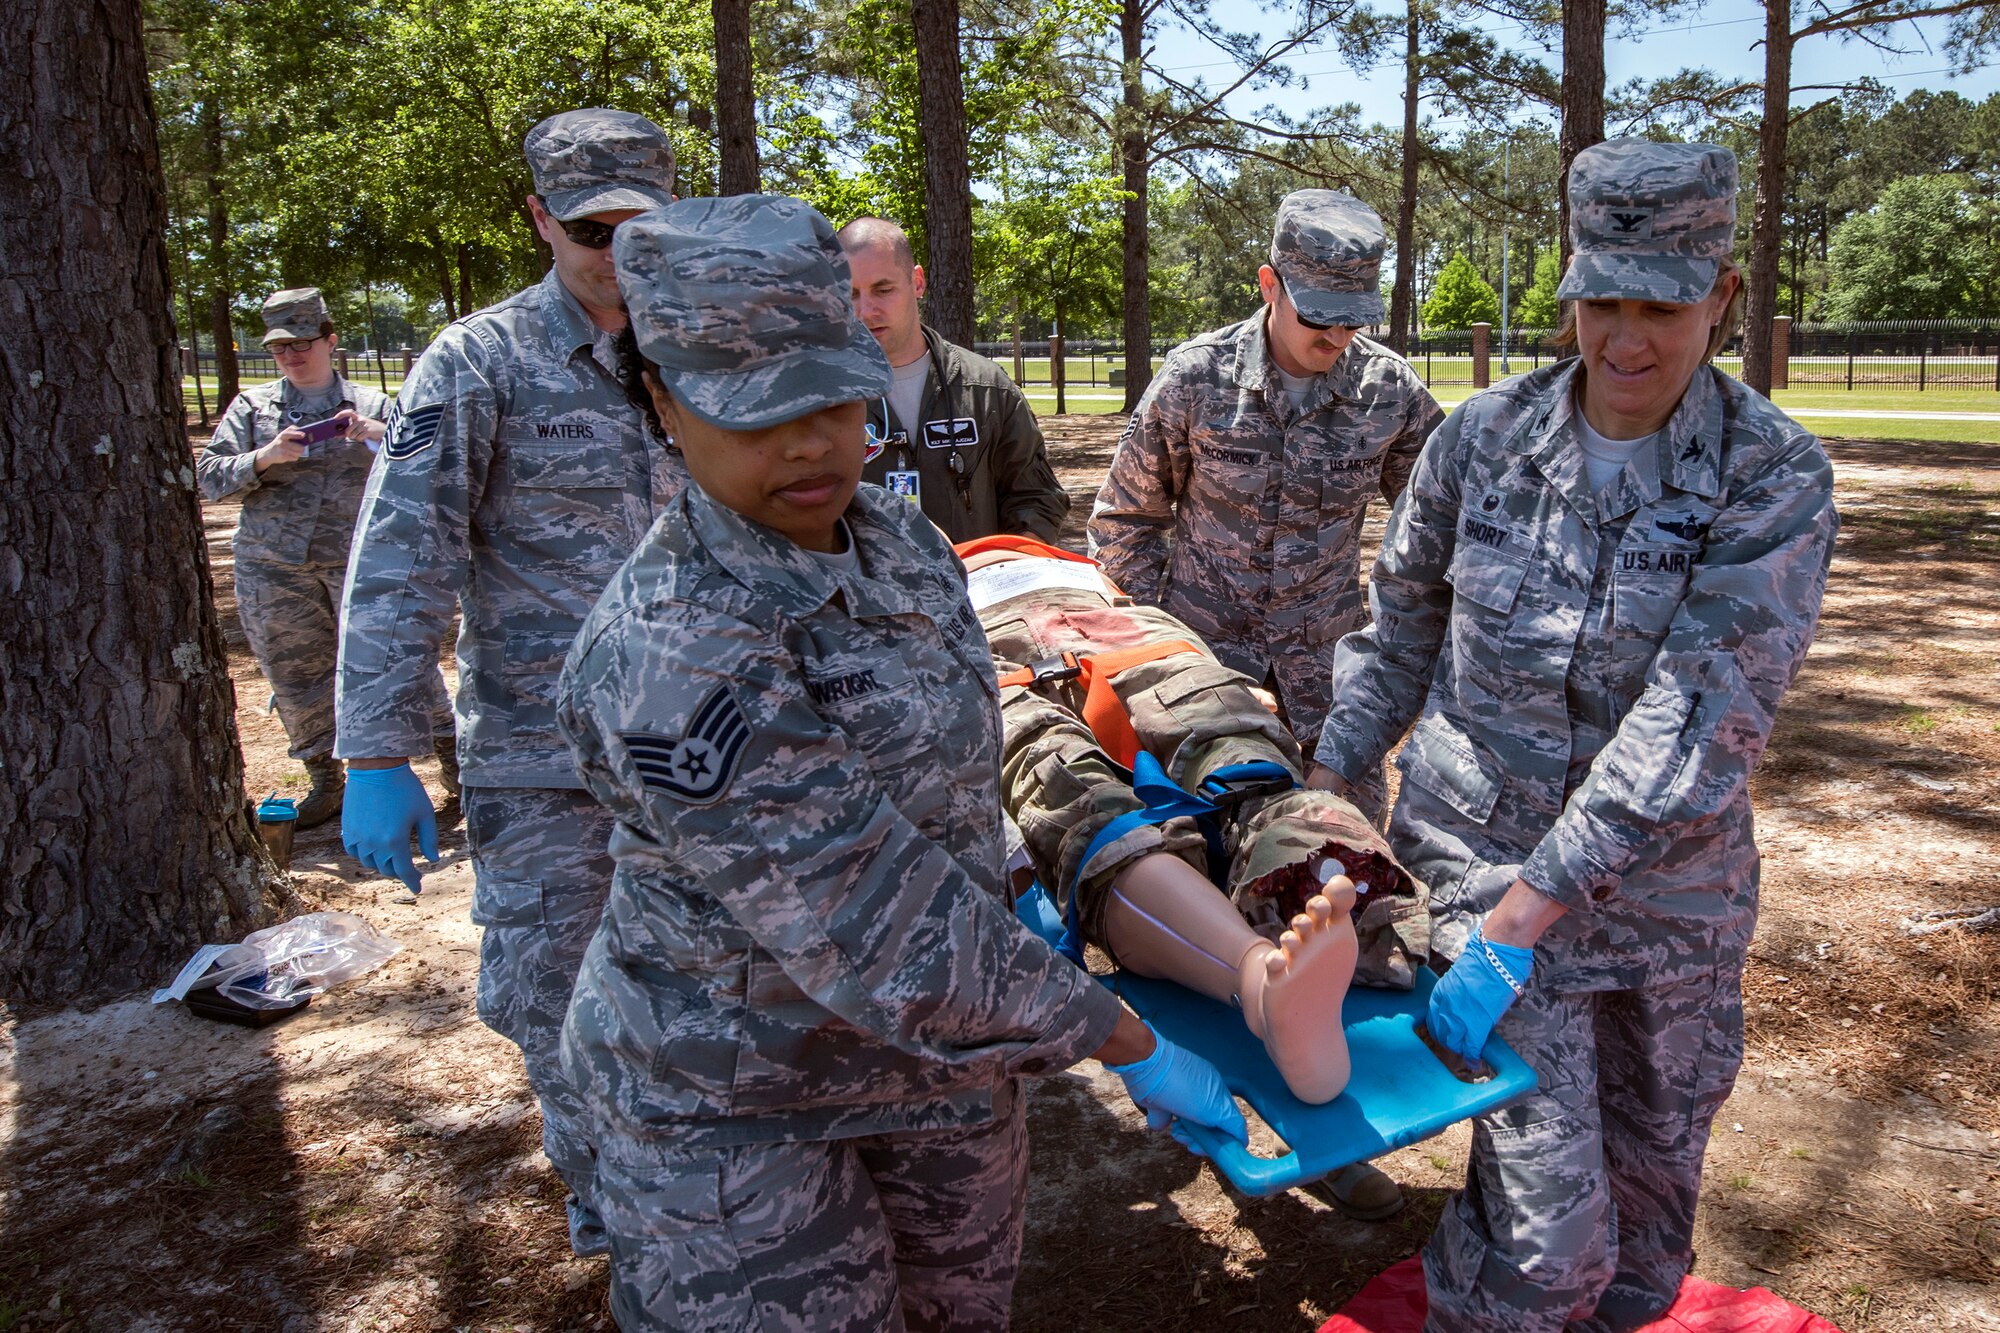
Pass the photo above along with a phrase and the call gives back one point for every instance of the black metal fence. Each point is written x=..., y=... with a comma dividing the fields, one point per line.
x=1871, y=355
x=1087, y=363
x=1882, y=354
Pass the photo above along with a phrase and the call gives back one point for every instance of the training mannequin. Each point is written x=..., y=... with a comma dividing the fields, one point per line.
x=1279, y=939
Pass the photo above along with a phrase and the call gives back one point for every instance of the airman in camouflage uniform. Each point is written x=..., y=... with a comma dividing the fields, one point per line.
x=800, y=1025
x=1196, y=716
x=516, y=477
x=292, y=539
x=1593, y=673
x=1235, y=500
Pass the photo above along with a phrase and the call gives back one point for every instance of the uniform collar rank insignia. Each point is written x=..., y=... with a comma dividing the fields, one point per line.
x=696, y=766
x=412, y=432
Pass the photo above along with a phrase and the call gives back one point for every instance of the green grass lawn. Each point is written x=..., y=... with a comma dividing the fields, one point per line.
x=1808, y=404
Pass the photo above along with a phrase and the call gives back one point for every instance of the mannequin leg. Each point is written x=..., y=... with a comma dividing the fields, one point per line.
x=1164, y=919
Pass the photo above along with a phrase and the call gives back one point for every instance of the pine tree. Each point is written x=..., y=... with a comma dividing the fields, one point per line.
x=1539, y=308
x=1461, y=298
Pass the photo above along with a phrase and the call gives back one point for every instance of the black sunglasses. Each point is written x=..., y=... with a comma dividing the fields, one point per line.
x=589, y=234
x=1299, y=315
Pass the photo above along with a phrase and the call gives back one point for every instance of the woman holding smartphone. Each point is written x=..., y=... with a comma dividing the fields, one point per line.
x=301, y=488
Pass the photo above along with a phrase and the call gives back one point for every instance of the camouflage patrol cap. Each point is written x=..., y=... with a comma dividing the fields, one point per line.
x=296, y=312
x=597, y=160
x=742, y=303
x=1649, y=221
x=1327, y=247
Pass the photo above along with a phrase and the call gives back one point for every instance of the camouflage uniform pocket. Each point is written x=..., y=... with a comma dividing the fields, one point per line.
x=674, y=1263
x=1446, y=763
x=531, y=663
x=1648, y=583
x=1198, y=703
x=1487, y=578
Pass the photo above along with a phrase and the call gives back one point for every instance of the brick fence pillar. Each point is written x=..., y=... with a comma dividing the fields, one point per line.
x=343, y=363
x=1781, y=353
x=409, y=359
x=187, y=361
x=1482, y=355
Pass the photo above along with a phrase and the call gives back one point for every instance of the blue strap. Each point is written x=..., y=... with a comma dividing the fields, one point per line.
x=1257, y=770
x=1165, y=799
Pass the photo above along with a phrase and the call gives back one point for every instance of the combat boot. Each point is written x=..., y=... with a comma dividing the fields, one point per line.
x=453, y=809
x=329, y=784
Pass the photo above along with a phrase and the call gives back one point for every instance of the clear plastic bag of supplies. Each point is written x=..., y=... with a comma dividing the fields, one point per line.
x=282, y=966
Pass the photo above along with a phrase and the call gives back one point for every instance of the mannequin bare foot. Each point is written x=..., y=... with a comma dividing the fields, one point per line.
x=1291, y=995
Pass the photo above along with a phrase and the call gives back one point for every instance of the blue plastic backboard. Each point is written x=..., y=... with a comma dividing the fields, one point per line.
x=1399, y=1093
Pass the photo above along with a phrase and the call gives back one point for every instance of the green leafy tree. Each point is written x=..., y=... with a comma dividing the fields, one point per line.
x=1920, y=253
x=1539, y=308
x=1050, y=245
x=1461, y=298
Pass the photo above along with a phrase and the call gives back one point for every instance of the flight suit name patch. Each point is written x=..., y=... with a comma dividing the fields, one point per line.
x=956, y=433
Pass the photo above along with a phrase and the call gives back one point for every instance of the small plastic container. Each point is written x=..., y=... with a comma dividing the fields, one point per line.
x=277, y=820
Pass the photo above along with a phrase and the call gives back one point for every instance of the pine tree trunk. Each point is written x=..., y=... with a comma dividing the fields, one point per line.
x=1137, y=242
x=221, y=290
x=735, y=98
x=1582, y=96
x=1406, y=204
x=1760, y=303
x=947, y=172
x=123, y=828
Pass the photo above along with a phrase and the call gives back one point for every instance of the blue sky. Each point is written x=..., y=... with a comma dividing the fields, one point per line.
x=1718, y=38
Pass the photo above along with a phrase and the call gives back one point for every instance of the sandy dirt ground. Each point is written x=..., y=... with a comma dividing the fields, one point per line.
x=372, y=1162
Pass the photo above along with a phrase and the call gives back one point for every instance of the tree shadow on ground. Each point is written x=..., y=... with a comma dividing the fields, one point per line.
x=1128, y=1231
x=280, y=1180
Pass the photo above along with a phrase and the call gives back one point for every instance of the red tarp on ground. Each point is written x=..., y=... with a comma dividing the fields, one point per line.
x=1393, y=1302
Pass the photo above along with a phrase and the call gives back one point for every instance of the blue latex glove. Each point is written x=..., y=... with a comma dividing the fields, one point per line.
x=1174, y=1083
x=1482, y=985
x=383, y=807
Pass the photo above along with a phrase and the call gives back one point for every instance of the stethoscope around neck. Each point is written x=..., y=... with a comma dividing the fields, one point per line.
x=961, y=472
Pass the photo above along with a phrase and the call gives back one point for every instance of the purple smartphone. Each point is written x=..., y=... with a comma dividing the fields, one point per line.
x=319, y=432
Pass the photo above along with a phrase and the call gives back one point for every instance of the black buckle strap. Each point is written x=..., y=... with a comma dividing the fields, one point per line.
x=1056, y=669
x=1227, y=793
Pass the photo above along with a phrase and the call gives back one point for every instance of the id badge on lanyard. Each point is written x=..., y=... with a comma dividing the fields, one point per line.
x=900, y=480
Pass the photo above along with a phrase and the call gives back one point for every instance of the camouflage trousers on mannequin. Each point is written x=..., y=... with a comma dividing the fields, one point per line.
x=541, y=872
x=291, y=616
x=1197, y=716
x=1578, y=1208
x=909, y=1231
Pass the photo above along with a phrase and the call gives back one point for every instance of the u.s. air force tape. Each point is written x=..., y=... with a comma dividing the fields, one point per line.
x=697, y=765
x=412, y=432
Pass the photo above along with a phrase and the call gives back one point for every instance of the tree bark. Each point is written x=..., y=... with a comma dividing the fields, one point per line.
x=465, y=306
x=221, y=290
x=1137, y=241
x=947, y=170
x=735, y=98
x=1406, y=203
x=1582, y=97
x=1760, y=302
x=123, y=826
